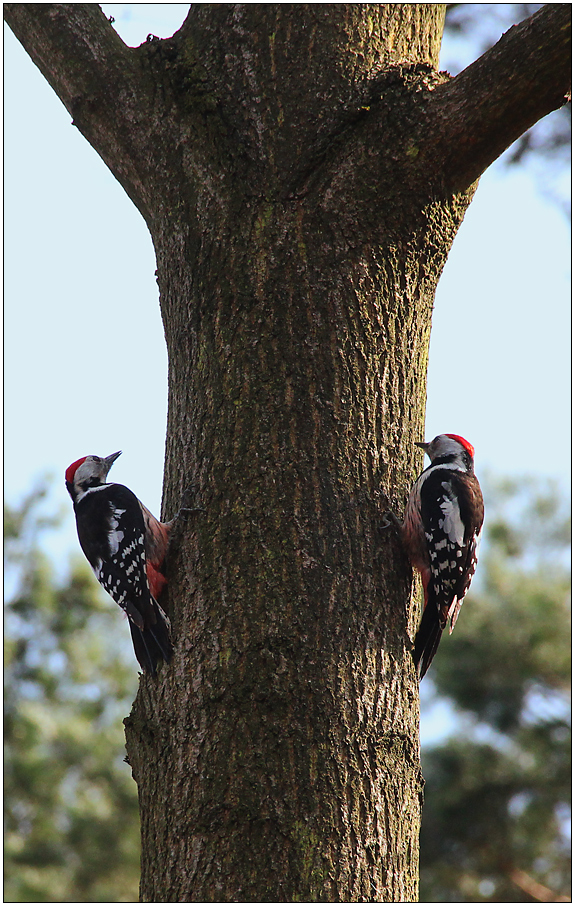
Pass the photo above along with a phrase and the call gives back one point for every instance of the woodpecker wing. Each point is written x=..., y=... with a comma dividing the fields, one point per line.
x=111, y=531
x=112, y=535
x=451, y=524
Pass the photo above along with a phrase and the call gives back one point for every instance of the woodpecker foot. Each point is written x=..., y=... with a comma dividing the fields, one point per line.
x=187, y=500
x=189, y=509
x=390, y=519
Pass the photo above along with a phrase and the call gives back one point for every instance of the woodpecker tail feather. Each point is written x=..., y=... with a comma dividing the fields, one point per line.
x=427, y=639
x=152, y=644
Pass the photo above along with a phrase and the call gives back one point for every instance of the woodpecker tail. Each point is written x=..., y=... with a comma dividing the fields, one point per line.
x=152, y=643
x=427, y=639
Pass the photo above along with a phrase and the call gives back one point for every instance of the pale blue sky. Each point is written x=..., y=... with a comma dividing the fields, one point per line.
x=85, y=353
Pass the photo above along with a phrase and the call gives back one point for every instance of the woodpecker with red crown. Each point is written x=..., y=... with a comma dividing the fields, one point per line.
x=126, y=547
x=440, y=531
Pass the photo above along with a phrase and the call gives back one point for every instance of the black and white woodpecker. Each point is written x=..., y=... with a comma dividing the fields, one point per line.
x=126, y=547
x=440, y=532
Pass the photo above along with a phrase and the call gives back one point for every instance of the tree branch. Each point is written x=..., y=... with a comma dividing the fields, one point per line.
x=535, y=890
x=73, y=45
x=97, y=78
x=484, y=109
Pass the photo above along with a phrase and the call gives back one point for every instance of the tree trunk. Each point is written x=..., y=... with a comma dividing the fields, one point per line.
x=286, y=734
x=294, y=165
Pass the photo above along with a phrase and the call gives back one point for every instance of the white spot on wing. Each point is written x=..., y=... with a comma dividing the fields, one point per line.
x=115, y=536
x=452, y=524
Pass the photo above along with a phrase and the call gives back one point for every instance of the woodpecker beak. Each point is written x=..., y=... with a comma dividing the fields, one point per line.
x=110, y=460
x=422, y=444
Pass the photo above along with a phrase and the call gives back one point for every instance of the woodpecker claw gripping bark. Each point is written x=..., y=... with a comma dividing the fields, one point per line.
x=126, y=547
x=440, y=531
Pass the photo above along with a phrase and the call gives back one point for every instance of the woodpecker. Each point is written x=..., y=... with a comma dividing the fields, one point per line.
x=126, y=547
x=440, y=531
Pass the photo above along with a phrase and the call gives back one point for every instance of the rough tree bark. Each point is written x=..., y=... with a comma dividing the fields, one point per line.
x=303, y=171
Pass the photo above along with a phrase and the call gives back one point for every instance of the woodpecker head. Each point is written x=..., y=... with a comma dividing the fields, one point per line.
x=88, y=472
x=449, y=448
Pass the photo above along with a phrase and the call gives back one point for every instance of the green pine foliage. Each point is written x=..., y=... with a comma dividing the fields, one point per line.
x=71, y=813
x=497, y=794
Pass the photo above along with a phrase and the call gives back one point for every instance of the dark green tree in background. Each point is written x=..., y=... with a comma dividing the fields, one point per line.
x=497, y=795
x=497, y=792
x=71, y=808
